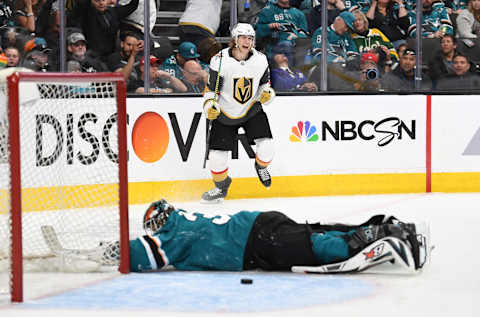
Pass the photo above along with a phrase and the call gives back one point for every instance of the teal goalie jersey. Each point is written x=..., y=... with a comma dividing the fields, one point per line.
x=194, y=241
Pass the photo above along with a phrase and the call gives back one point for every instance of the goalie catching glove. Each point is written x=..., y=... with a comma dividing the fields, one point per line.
x=210, y=108
x=267, y=95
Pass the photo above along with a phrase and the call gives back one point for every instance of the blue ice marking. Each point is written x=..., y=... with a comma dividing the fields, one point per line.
x=211, y=292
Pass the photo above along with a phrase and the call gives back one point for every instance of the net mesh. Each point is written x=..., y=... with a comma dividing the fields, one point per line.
x=69, y=168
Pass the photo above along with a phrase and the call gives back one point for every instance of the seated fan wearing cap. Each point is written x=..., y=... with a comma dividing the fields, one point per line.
x=77, y=51
x=37, y=55
x=369, y=73
x=340, y=45
x=161, y=82
x=402, y=78
x=174, y=64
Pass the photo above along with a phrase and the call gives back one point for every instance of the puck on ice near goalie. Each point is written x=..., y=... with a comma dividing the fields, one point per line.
x=246, y=281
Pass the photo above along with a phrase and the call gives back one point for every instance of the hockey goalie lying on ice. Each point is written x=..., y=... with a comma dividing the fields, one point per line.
x=257, y=240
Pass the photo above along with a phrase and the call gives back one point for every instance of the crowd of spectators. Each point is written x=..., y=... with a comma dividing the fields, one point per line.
x=370, y=43
x=380, y=28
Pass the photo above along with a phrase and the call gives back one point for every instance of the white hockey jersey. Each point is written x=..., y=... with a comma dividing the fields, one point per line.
x=202, y=13
x=241, y=82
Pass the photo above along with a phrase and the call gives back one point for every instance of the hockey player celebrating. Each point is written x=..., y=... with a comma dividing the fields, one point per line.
x=239, y=85
x=262, y=240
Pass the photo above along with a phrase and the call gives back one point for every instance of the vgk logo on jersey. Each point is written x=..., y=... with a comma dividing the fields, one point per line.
x=242, y=89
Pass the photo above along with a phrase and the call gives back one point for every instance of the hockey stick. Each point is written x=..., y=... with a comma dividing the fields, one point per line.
x=51, y=239
x=72, y=260
x=209, y=126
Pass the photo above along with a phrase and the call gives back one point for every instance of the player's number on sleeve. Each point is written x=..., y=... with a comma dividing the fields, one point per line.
x=216, y=219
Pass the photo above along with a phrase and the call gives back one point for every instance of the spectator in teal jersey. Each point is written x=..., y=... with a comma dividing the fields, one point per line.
x=161, y=82
x=362, y=5
x=175, y=63
x=455, y=6
x=278, y=23
x=340, y=44
x=436, y=21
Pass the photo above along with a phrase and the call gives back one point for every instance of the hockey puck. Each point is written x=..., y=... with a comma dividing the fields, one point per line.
x=246, y=281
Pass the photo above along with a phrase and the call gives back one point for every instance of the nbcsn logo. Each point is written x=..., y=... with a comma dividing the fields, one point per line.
x=304, y=131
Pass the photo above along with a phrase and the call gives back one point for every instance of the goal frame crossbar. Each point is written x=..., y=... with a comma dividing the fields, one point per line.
x=13, y=81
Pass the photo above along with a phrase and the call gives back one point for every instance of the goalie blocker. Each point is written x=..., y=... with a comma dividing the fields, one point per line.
x=258, y=240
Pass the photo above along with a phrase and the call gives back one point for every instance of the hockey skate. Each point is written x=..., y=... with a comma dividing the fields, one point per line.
x=156, y=216
x=218, y=193
x=263, y=175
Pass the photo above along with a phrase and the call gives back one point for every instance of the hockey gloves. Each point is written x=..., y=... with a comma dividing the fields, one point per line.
x=267, y=95
x=210, y=108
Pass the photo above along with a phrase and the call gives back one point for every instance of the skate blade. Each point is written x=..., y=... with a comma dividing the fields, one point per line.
x=211, y=202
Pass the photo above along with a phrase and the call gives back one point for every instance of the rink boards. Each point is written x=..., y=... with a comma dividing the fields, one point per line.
x=324, y=145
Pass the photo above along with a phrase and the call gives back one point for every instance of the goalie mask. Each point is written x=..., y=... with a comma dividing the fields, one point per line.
x=156, y=216
x=243, y=29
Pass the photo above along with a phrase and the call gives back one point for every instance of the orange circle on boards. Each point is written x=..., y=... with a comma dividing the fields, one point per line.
x=150, y=137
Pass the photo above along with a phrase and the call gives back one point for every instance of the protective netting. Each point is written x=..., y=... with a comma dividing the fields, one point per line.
x=69, y=168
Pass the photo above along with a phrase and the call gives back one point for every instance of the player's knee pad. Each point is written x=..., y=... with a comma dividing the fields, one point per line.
x=265, y=149
x=218, y=160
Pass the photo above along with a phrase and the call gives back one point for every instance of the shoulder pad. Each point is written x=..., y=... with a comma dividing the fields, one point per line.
x=260, y=53
x=215, y=62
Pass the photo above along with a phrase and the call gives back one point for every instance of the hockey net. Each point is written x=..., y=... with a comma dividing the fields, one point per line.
x=63, y=165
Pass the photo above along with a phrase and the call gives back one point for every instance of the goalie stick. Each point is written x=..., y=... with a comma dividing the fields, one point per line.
x=77, y=260
x=51, y=239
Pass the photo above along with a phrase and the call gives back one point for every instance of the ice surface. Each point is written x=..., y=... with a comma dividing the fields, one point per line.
x=450, y=286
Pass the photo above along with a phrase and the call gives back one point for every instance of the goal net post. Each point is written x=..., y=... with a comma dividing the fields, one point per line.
x=63, y=164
